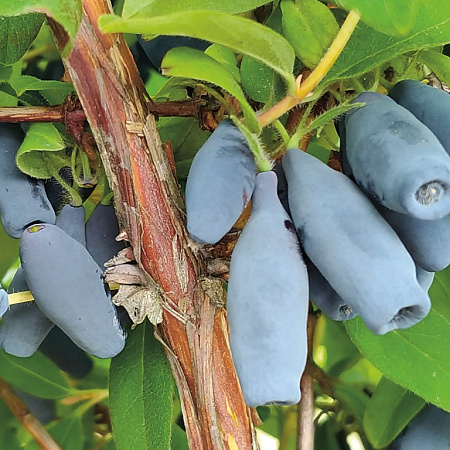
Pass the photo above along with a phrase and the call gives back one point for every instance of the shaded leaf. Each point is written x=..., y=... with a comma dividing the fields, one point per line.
x=265, y=45
x=141, y=389
x=189, y=63
x=353, y=400
x=35, y=375
x=16, y=36
x=25, y=83
x=416, y=358
x=310, y=27
x=389, y=410
x=226, y=57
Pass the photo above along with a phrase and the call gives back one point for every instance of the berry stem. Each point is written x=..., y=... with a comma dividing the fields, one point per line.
x=305, y=89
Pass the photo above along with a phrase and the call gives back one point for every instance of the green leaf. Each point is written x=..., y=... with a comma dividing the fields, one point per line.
x=438, y=63
x=16, y=36
x=10, y=252
x=66, y=12
x=310, y=27
x=68, y=432
x=367, y=48
x=35, y=375
x=141, y=393
x=264, y=44
x=24, y=83
x=190, y=63
x=416, y=358
x=260, y=82
x=151, y=8
x=42, y=152
x=393, y=17
x=389, y=410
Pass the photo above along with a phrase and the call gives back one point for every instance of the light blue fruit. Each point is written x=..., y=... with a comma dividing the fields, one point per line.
x=219, y=185
x=396, y=159
x=267, y=302
x=353, y=246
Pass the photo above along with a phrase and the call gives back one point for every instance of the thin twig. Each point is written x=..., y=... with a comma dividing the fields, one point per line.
x=31, y=424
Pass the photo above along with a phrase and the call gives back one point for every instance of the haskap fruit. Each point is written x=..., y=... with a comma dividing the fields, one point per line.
x=430, y=105
x=267, y=302
x=396, y=159
x=23, y=199
x=68, y=287
x=220, y=183
x=363, y=259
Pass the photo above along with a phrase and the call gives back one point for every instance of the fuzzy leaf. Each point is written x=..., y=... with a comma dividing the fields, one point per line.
x=151, y=8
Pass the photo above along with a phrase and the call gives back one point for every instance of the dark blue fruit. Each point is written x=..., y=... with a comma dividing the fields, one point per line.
x=23, y=200
x=101, y=231
x=267, y=302
x=430, y=105
x=429, y=429
x=325, y=297
x=353, y=246
x=428, y=241
x=60, y=349
x=71, y=220
x=220, y=183
x=396, y=159
x=23, y=326
x=68, y=287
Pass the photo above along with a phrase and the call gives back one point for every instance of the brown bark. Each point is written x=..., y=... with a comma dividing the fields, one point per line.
x=149, y=205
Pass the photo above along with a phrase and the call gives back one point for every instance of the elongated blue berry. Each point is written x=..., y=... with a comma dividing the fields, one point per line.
x=362, y=258
x=267, y=302
x=220, y=183
x=396, y=159
x=68, y=287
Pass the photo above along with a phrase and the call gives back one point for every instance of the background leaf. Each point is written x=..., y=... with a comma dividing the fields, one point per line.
x=190, y=63
x=389, y=16
x=151, y=8
x=416, y=358
x=16, y=36
x=141, y=390
x=438, y=63
x=367, y=48
x=265, y=45
x=35, y=375
x=388, y=411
